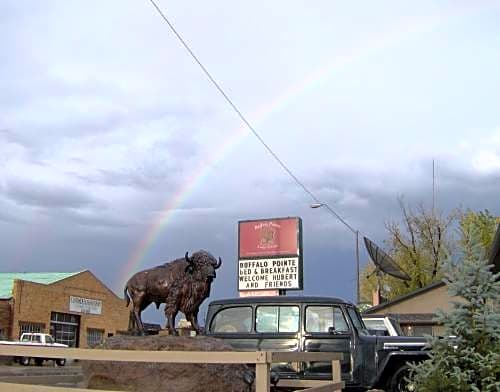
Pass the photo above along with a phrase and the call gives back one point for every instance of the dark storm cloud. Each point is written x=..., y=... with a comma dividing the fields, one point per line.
x=367, y=201
x=38, y=194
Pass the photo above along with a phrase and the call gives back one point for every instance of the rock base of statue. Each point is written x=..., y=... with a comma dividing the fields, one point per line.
x=153, y=377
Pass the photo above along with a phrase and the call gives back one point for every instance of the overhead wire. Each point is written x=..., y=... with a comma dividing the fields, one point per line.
x=245, y=121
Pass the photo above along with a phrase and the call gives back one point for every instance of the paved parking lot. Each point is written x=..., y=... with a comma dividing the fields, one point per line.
x=69, y=376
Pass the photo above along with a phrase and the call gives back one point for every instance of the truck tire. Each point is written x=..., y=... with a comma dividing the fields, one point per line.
x=25, y=361
x=38, y=361
x=398, y=382
x=61, y=362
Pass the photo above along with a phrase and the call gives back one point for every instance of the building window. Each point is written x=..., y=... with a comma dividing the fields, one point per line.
x=65, y=328
x=421, y=330
x=94, y=337
x=25, y=327
x=417, y=330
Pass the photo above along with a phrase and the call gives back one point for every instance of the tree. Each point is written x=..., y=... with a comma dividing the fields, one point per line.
x=467, y=358
x=483, y=222
x=418, y=245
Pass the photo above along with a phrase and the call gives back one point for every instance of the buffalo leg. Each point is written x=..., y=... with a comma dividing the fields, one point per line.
x=170, y=314
x=138, y=306
x=193, y=318
x=138, y=321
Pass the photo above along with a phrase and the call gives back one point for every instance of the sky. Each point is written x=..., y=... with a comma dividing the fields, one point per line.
x=117, y=153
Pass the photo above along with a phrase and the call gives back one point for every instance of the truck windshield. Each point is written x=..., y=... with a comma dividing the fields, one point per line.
x=357, y=321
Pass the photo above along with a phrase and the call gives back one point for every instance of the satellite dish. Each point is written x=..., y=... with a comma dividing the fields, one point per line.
x=383, y=262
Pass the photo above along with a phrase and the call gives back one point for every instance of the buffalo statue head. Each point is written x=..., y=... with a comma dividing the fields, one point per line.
x=202, y=265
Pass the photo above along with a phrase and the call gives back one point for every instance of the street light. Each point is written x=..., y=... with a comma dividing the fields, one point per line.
x=354, y=231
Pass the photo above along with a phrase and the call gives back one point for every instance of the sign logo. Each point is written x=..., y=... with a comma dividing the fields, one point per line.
x=268, y=234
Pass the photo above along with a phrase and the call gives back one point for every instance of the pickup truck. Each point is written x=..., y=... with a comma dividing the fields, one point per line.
x=36, y=339
x=289, y=323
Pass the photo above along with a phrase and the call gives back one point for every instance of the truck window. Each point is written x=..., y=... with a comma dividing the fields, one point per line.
x=357, y=321
x=37, y=339
x=377, y=324
x=238, y=319
x=26, y=338
x=48, y=339
x=322, y=318
x=277, y=319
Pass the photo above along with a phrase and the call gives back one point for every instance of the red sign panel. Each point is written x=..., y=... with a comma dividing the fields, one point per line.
x=269, y=237
x=260, y=293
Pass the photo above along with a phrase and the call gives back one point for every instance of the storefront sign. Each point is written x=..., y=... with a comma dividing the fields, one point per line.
x=270, y=254
x=265, y=274
x=85, y=305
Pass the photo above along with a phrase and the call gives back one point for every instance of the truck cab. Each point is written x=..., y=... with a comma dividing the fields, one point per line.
x=303, y=324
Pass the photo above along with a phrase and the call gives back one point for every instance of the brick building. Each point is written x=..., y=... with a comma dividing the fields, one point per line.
x=75, y=308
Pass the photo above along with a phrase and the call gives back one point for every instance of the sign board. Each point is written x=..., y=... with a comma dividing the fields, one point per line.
x=270, y=254
x=85, y=305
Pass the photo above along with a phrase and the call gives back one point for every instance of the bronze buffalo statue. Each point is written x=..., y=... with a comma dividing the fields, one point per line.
x=181, y=284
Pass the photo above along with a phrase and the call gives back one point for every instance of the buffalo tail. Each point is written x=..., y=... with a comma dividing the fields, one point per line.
x=125, y=293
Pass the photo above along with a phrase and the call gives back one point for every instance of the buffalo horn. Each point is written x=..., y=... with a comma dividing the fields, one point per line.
x=189, y=260
x=217, y=265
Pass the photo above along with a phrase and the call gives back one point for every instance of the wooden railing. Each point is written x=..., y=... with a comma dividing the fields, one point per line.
x=261, y=359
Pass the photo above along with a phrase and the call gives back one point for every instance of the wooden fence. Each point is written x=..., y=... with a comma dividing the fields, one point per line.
x=261, y=359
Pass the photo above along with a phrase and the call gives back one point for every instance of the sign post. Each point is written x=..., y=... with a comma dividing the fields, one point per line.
x=269, y=256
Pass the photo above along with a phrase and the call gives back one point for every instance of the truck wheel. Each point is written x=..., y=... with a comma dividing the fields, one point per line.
x=398, y=381
x=61, y=362
x=25, y=361
x=38, y=361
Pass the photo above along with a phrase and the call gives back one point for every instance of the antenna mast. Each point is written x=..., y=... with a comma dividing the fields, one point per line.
x=433, y=188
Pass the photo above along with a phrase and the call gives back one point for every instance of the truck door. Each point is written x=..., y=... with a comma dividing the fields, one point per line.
x=277, y=328
x=326, y=329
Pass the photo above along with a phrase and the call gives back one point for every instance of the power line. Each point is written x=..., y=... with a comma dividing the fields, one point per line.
x=245, y=121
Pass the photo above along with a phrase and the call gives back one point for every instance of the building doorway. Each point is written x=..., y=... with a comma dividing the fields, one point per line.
x=65, y=328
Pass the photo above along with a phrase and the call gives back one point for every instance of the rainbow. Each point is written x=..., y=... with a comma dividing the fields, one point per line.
x=384, y=42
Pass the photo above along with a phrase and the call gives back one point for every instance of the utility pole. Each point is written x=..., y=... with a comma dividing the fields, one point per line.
x=358, y=295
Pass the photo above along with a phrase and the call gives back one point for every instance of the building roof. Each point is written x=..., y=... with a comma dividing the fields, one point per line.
x=404, y=297
x=7, y=279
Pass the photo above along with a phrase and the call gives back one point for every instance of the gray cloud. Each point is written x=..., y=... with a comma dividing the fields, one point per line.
x=38, y=194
